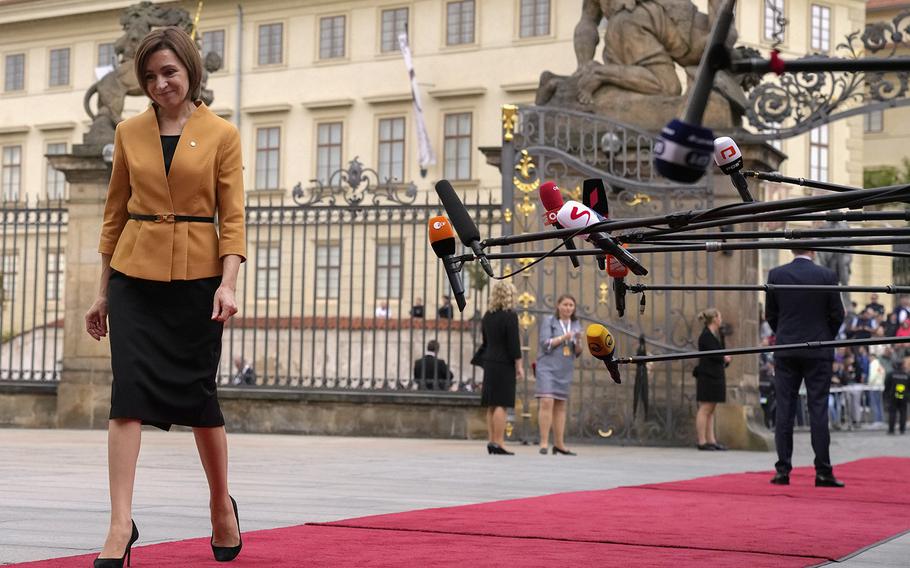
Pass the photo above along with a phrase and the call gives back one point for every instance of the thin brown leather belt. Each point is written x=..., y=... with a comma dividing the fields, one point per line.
x=171, y=218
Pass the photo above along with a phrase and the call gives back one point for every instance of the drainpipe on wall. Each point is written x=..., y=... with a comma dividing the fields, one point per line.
x=239, y=64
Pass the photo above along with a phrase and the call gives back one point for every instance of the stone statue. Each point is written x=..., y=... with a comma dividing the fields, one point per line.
x=637, y=81
x=137, y=21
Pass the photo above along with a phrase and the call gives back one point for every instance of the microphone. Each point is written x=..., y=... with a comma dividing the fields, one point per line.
x=730, y=161
x=574, y=215
x=601, y=346
x=618, y=273
x=551, y=199
x=683, y=150
x=442, y=239
x=461, y=220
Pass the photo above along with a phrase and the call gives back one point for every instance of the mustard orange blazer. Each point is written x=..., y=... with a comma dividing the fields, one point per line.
x=206, y=177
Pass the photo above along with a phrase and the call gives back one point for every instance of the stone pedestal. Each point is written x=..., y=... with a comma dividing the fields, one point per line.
x=83, y=397
x=739, y=421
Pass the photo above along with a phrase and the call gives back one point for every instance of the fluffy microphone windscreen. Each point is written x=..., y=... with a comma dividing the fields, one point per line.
x=550, y=196
x=461, y=220
x=442, y=239
x=600, y=342
x=683, y=151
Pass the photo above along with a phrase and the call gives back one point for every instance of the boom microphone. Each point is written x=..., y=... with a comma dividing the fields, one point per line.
x=574, y=215
x=442, y=239
x=551, y=199
x=618, y=273
x=730, y=161
x=683, y=150
x=601, y=346
x=464, y=225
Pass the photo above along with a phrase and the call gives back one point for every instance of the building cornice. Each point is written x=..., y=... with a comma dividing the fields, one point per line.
x=15, y=11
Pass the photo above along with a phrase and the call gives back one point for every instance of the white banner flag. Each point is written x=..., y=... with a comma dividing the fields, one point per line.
x=427, y=157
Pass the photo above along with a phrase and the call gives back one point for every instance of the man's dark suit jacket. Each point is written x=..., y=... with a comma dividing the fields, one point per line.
x=432, y=373
x=798, y=316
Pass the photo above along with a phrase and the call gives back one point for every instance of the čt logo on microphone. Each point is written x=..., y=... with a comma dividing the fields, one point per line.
x=728, y=152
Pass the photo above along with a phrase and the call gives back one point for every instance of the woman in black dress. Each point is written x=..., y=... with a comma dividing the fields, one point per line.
x=711, y=383
x=168, y=280
x=502, y=364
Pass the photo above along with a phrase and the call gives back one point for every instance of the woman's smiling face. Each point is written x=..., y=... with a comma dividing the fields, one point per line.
x=166, y=79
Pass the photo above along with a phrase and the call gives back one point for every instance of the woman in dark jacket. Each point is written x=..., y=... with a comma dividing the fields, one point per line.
x=710, y=381
x=502, y=365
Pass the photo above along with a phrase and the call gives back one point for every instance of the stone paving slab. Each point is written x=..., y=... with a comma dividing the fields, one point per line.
x=55, y=481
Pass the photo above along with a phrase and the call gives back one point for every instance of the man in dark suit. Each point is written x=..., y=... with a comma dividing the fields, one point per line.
x=798, y=316
x=431, y=372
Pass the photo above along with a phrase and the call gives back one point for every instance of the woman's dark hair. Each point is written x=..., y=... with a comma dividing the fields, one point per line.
x=559, y=300
x=184, y=48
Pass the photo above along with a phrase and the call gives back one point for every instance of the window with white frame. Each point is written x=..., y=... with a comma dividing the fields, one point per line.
x=11, y=176
x=271, y=43
x=391, y=149
x=394, y=23
x=460, y=22
x=268, y=258
x=59, y=75
x=55, y=181
x=331, y=37
x=268, y=157
x=56, y=261
x=106, y=55
x=821, y=28
x=873, y=121
x=818, y=153
x=534, y=18
x=457, y=146
x=328, y=271
x=213, y=42
x=328, y=150
x=773, y=9
x=10, y=267
x=14, y=72
x=388, y=270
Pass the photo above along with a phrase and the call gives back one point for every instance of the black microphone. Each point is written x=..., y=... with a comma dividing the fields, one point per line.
x=461, y=220
x=683, y=150
x=442, y=239
x=730, y=161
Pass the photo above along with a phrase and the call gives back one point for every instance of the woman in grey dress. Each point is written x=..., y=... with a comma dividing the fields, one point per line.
x=560, y=343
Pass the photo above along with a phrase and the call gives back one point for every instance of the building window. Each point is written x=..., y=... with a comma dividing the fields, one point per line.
x=107, y=57
x=331, y=37
x=60, y=67
x=460, y=22
x=457, y=146
x=267, y=273
x=56, y=262
x=10, y=266
x=270, y=43
x=394, y=23
x=391, y=149
x=328, y=271
x=773, y=8
x=14, y=75
x=818, y=153
x=873, y=121
x=535, y=18
x=388, y=271
x=268, y=154
x=213, y=42
x=328, y=150
x=821, y=28
x=12, y=172
x=56, y=181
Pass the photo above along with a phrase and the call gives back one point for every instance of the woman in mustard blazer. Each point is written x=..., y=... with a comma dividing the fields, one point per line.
x=168, y=279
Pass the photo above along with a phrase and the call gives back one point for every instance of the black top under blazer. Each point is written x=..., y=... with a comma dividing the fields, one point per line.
x=798, y=316
x=500, y=337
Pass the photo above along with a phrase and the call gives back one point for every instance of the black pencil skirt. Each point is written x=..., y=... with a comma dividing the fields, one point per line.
x=165, y=350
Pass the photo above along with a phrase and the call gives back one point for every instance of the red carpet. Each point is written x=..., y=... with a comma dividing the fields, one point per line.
x=728, y=520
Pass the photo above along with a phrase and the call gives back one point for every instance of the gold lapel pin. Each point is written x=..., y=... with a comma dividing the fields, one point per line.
x=193, y=143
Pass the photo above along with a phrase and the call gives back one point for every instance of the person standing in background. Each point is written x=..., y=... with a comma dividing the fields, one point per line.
x=710, y=379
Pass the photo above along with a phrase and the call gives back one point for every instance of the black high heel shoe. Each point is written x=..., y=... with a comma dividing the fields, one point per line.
x=498, y=450
x=228, y=553
x=118, y=562
x=563, y=452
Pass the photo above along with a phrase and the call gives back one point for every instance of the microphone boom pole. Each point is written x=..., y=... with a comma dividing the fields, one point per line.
x=751, y=350
x=890, y=289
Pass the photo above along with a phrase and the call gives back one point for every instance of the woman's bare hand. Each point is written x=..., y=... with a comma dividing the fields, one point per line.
x=224, y=305
x=96, y=319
